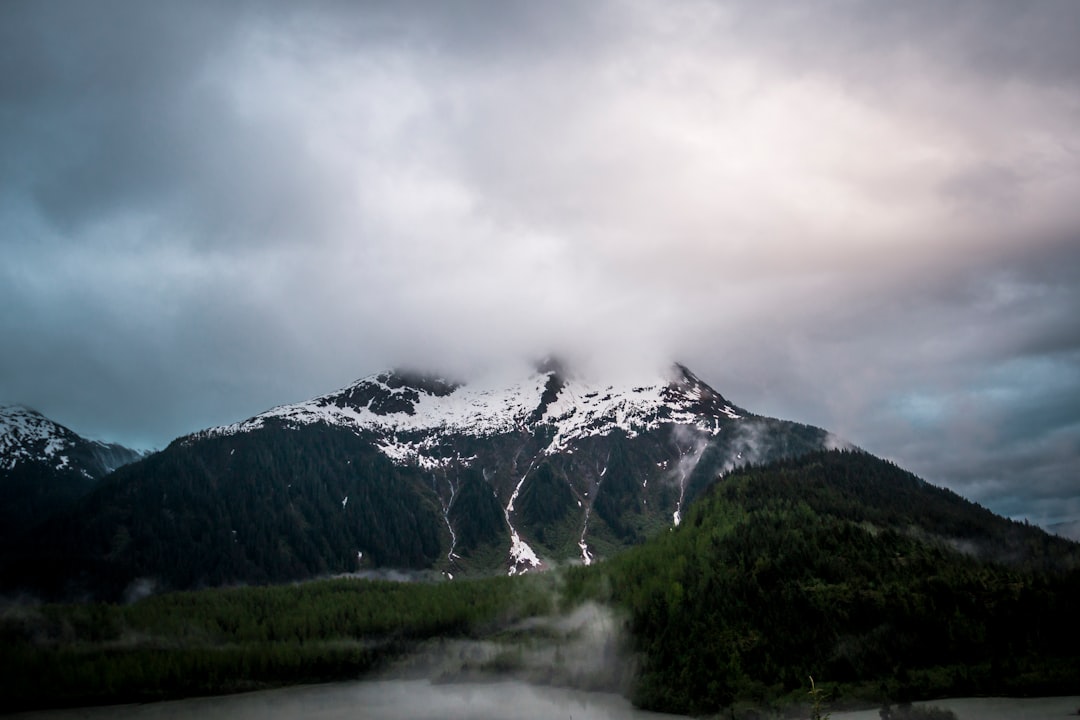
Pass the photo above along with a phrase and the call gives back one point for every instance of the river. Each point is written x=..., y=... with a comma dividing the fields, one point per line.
x=423, y=700
x=379, y=699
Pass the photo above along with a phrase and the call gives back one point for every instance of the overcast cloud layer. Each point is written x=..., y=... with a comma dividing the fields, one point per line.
x=860, y=215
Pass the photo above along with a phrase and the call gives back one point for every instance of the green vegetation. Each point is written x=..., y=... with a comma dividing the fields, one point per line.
x=228, y=640
x=31, y=491
x=817, y=703
x=842, y=566
x=837, y=566
x=237, y=509
x=285, y=503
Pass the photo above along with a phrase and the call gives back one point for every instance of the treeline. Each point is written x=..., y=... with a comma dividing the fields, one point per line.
x=229, y=640
x=842, y=567
x=838, y=566
x=275, y=507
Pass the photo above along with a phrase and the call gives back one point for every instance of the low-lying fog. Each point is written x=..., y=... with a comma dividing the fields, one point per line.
x=383, y=699
x=576, y=666
x=422, y=699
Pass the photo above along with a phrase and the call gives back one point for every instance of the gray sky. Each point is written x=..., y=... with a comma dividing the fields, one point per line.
x=860, y=215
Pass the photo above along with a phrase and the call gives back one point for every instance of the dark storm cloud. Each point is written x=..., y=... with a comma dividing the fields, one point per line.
x=85, y=88
x=855, y=214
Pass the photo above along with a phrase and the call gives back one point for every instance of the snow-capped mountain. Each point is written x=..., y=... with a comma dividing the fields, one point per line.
x=44, y=466
x=412, y=415
x=407, y=470
x=28, y=437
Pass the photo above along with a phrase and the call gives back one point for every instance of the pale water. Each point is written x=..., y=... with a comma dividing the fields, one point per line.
x=384, y=700
x=423, y=700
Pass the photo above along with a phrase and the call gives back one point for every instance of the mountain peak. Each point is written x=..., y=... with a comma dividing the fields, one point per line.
x=18, y=410
x=388, y=393
x=430, y=383
x=412, y=412
x=26, y=434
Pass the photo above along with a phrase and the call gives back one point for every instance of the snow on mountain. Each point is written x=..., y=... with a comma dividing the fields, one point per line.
x=45, y=467
x=400, y=469
x=540, y=446
x=27, y=435
x=409, y=414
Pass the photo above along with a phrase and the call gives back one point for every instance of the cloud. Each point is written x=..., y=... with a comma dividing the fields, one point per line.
x=849, y=215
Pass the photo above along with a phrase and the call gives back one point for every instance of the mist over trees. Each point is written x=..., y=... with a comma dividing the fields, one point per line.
x=842, y=567
x=838, y=566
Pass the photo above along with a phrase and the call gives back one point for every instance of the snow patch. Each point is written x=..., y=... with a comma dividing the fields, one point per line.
x=27, y=435
x=446, y=505
x=522, y=557
x=586, y=556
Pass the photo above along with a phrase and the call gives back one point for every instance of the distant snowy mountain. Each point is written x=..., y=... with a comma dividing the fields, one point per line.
x=407, y=470
x=44, y=466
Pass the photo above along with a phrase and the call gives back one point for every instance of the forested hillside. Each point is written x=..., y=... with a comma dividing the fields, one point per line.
x=838, y=566
x=261, y=510
x=232, y=640
x=46, y=468
x=846, y=568
x=402, y=471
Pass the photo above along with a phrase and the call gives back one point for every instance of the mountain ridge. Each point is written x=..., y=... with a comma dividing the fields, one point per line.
x=417, y=471
x=27, y=435
x=45, y=467
x=429, y=402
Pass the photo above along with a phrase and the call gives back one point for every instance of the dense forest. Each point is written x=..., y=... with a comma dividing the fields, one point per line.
x=231, y=640
x=279, y=508
x=838, y=566
x=843, y=567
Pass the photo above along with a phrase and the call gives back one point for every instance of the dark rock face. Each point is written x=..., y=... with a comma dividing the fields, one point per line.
x=391, y=392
